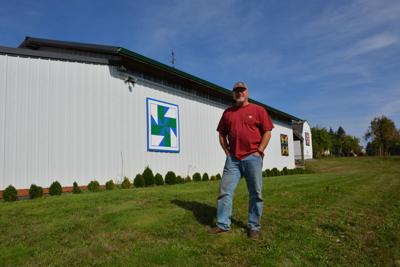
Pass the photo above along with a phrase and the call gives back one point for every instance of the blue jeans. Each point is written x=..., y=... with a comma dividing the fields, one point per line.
x=251, y=168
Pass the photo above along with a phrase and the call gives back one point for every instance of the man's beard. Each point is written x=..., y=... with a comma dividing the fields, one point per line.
x=240, y=100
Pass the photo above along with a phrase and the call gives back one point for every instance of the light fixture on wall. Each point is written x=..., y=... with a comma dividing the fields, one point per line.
x=131, y=80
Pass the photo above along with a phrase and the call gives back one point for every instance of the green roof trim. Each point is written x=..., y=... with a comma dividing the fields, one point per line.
x=154, y=63
x=125, y=52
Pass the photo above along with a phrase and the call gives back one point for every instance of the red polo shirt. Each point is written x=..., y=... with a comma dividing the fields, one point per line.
x=244, y=127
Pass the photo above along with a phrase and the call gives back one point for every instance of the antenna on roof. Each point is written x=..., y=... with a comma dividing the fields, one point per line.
x=173, y=59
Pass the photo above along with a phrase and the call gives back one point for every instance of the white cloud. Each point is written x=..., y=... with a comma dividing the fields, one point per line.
x=345, y=22
x=372, y=43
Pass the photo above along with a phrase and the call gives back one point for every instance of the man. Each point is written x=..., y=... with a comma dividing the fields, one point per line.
x=244, y=133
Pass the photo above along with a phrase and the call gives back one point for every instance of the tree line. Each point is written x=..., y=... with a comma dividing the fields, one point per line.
x=382, y=135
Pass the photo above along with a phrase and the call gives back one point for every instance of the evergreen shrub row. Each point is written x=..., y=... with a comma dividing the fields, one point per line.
x=146, y=179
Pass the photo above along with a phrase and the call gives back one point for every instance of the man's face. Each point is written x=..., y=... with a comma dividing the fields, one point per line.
x=240, y=95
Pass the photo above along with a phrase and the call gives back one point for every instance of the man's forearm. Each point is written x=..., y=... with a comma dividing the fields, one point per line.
x=264, y=141
x=224, y=143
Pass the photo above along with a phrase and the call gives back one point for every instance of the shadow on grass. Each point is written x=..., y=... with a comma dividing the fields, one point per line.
x=203, y=213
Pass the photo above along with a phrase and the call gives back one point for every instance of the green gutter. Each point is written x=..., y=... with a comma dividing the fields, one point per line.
x=172, y=70
x=185, y=75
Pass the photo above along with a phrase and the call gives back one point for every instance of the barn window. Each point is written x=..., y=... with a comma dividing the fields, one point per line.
x=307, y=139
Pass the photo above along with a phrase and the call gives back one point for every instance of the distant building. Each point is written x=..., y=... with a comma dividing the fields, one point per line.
x=77, y=112
x=302, y=141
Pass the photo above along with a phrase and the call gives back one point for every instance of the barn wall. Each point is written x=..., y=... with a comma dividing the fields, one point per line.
x=71, y=122
x=274, y=157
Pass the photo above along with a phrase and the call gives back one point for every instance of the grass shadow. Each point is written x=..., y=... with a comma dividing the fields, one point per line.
x=203, y=213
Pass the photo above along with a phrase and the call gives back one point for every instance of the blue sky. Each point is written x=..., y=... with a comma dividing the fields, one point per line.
x=330, y=62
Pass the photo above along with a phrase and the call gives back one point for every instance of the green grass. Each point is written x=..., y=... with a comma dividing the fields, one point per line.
x=346, y=213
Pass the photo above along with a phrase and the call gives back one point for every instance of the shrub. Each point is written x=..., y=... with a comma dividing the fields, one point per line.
x=299, y=170
x=218, y=176
x=126, y=184
x=267, y=173
x=213, y=178
x=93, y=186
x=284, y=171
x=76, y=189
x=205, y=177
x=35, y=191
x=274, y=172
x=170, y=178
x=148, y=177
x=196, y=177
x=10, y=193
x=55, y=189
x=158, y=179
x=139, y=180
x=180, y=180
x=110, y=185
x=188, y=179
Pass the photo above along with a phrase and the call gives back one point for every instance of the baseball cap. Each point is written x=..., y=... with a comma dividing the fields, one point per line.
x=239, y=85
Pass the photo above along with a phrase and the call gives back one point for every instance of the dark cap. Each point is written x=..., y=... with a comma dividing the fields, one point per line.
x=239, y=85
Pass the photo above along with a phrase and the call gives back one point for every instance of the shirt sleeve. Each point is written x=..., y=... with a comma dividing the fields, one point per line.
x=266, y=122
x=222, y=128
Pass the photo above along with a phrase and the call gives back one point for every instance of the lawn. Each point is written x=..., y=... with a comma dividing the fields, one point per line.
x=346, y=213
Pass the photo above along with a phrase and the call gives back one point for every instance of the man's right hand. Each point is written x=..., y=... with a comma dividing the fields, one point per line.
x=224, y=144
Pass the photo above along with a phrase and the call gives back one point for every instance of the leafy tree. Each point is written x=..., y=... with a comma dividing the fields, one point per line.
x=331, y=132
x=395, y=148
x=321, y=141
x=340, y=132
x=382, y=132
x=351, y=146
x=338, y=142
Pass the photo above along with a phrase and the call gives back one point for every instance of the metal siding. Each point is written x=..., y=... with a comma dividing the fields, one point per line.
x=3, y=93
x=273, y=156
x=10, y=127
x=71, y=122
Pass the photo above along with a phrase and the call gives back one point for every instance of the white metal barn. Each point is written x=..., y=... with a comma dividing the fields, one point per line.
x=78, y=112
